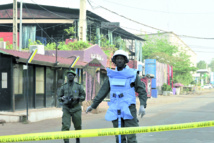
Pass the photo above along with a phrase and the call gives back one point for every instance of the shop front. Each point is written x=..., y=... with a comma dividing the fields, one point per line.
x=44, y=79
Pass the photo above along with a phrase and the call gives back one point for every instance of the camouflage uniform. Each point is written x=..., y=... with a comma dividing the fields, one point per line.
x=72, y=109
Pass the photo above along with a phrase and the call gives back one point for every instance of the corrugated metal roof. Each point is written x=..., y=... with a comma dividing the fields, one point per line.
x=65, y=54
x=3, y=52
x=42, y=59
x=38, y=12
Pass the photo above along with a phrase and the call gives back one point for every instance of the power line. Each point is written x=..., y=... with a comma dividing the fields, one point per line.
x=36, y=30
x=51, y=11
x=132, y=35
x=192, y=46
x=204, y=47
x=155, y=10
x=8, y=14
x=135, y=29
x=196, y=37
x=107, y=29
x=38, y=24
x=205, y=52
x=125, y=17
x=201, y=46
x=5, y=25
x=99, y=6
x=176, y=34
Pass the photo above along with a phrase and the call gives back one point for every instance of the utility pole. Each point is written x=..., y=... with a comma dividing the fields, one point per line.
x=20, y=27
x=15, y=24
x=136, y=50
x=136, y=53
x=82, y=21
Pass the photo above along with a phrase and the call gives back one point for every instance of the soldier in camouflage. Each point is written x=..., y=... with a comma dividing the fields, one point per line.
x=71, y=95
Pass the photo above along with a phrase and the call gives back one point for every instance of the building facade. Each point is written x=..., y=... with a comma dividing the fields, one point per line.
x=39, y=82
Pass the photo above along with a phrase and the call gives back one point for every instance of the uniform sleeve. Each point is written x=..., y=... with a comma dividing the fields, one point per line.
x=81, y=94
x=103, y=92
x=61, y=93
x=141, y=90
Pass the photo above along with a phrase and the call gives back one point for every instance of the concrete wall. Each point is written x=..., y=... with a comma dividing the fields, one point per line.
x=77, y=53
x=8, y=36
x=43, y=114
x=34, y=115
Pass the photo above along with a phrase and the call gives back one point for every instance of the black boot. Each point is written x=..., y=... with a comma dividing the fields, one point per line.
x=66, y=141
x=77, y=140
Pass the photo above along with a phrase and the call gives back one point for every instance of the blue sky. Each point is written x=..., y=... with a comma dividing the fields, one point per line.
x=183, y=17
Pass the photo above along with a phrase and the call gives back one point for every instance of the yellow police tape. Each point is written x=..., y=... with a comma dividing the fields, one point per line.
x=102, y=132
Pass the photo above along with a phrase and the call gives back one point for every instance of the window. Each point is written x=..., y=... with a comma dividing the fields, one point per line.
x=4, y=80
x=40, y=80
x=50, y=96
x=18, y=79
x=18, y=75
x=40, y=87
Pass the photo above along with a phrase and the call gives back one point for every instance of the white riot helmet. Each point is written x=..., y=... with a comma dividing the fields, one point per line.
x=121, y=53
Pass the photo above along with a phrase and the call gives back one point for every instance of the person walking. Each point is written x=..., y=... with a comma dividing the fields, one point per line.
x=70, y=95
x=122, y=83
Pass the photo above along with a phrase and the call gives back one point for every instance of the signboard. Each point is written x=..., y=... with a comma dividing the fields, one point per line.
x=110, y=25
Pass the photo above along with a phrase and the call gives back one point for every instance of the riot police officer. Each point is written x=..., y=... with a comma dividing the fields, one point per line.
x=70, y=95
x=122, y=83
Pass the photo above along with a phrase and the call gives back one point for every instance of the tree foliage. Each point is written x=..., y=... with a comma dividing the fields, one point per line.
x=160, y=49
x=8, y=45
x=211, y=65
x=157, y=45
x=70, y=31
x=106, y=46
x=201, y=65
x=77, y=45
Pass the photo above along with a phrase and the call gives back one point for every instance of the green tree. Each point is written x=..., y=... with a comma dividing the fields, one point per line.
x=157, y=44
x=70, y=31
x=182, y=69
x=201, y=65
x=160, y=49
x=211, y=65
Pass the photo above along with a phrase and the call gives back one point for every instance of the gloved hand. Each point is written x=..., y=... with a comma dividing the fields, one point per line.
x=89, y=109
x=142, y=111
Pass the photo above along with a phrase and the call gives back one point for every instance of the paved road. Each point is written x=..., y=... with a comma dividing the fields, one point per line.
x=190, y=109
